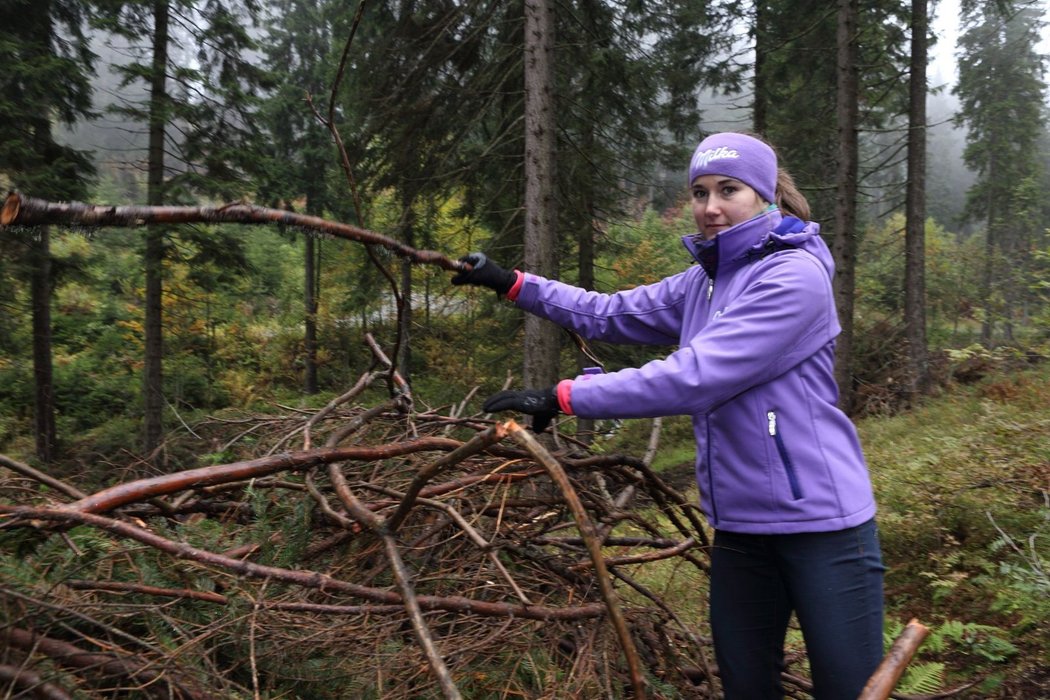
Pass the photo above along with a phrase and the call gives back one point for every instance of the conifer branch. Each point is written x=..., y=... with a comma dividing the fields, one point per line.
x=307, y=579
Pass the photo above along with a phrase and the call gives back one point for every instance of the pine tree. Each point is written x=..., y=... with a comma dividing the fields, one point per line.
x=814, y=106
x=47, y=65
x=416, y=85
x=915, y=207
x=434, y=99
x=298, y=153
x=199, y=117
x=626, y=80
x=1002, y=103
x=540, y=351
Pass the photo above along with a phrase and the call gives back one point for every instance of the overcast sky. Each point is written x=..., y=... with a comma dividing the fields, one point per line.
x=946, y=26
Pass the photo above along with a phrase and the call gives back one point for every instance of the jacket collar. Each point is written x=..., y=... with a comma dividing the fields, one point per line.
x=734, y=246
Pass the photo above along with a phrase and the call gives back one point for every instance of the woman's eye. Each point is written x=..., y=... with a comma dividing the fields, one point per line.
x=728, y=190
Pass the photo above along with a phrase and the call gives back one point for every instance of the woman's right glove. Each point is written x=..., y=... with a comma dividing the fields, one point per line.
x=485, y=273
x=541, y=404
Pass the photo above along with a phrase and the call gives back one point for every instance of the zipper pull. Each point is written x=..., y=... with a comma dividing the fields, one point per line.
x=772, y=417
x=710, y=288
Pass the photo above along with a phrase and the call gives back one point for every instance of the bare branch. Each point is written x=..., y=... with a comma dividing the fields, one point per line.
x=586, y=528
x=20, y=210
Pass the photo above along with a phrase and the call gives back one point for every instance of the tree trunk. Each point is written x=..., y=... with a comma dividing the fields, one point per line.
x=310, y=309
x=403, y=361
x=760, y=100
x=915, y=209
x=844, y=245
x=153, y=395
x=988, y=273
x=585, y=247
x=541, y=337
x=314, y=206
x=43, y=380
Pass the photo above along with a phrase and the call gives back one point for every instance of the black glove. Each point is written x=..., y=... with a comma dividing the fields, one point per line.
x=485, y=273
x=542, y=404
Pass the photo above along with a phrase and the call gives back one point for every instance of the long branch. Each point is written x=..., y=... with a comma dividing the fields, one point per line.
x=143, y=489
x=155, y=682
x=587, y=532
x=25, y=681
x=37, y=475
x=20, y=210
x=306, y=579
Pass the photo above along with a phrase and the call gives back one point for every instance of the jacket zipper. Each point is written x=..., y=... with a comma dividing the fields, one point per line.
x=711, y=476
x=710, y=288
x=789, y=467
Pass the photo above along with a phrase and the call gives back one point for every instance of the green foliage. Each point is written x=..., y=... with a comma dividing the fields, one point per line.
x=922, y=677
x=1019, y=572
x=47, y=63
x=957, y=480
x=985, y=641
x=952, y=278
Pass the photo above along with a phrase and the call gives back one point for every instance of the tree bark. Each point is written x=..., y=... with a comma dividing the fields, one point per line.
x=310, y=308
x=844, y=245
x=153, y=389
x=541, y=337
x=403, y=361
x=883, y=681
x=915, y=209
x=760, y=99
x=43, y=378
x=19, y=210
x=585, y=257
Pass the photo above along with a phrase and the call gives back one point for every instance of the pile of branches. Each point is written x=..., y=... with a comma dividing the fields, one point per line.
x=363, y=551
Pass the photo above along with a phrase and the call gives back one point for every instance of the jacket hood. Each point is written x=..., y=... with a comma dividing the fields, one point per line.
x=759, y=236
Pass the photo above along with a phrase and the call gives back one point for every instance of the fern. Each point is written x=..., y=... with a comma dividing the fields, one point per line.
x=983, y=640
x=924, y=678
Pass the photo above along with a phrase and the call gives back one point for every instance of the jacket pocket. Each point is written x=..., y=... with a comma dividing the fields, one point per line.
x=785, y=458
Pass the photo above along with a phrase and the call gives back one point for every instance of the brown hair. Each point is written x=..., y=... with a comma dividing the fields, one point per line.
x=789, y=199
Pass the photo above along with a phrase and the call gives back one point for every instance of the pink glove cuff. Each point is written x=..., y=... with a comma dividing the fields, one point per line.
x=512, y=293
x=564, y=394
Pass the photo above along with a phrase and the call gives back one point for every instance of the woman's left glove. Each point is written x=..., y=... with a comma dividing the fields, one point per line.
x=542, y=404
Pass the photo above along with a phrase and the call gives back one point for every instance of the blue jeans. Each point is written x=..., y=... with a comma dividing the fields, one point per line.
x=833, y=583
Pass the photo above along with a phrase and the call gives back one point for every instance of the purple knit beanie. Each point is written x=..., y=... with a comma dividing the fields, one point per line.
x=739, y=156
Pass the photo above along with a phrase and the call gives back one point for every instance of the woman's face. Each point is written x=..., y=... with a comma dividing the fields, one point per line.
x=720, y=202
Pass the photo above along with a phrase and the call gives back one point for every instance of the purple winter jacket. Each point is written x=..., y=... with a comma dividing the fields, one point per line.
x=754, y=368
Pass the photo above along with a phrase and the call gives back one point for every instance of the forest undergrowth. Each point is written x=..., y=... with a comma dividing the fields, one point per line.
x=284, y=584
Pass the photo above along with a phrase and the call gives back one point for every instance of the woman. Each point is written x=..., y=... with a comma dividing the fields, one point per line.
x=782, y=478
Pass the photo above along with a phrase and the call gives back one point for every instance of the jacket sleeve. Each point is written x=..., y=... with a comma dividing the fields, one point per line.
x=784, y=315
x=649, y=314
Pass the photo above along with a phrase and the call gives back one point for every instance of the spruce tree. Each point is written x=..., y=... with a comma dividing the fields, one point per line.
x=1001, y=89
x=824, y=112
x=298, y=154
x=46, y=77
x=199, y=116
